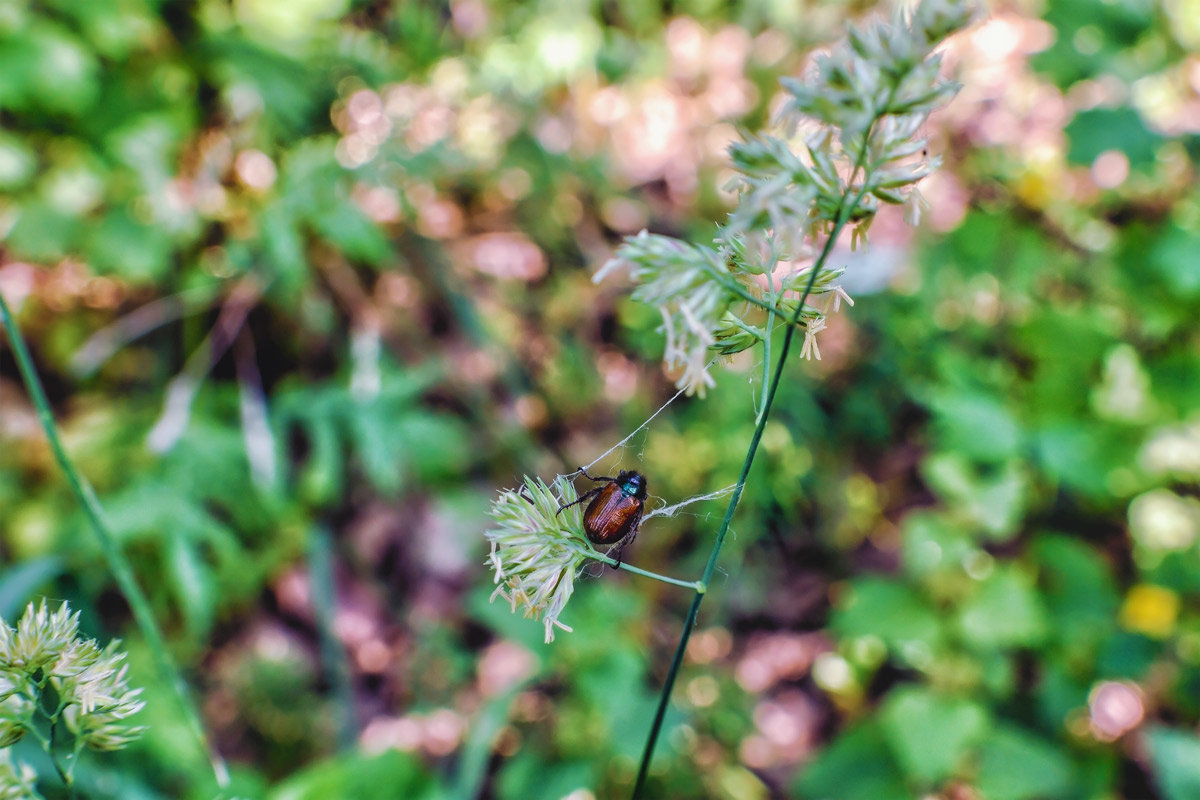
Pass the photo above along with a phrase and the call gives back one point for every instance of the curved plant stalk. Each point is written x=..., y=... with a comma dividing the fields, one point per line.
x=880, y=85
x=697, y=586
x=334, y=658
x=709, y=568
x=117, y=563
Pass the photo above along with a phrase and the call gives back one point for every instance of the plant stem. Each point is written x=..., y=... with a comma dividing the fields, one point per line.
x=693, y=585
x=333, y=654
x=762, y=405
x=844, y=210
x=63, y=774
x=117, y=563
x=735, y=288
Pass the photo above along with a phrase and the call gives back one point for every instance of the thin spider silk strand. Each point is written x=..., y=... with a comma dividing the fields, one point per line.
x=670, y=511
x=635, y=432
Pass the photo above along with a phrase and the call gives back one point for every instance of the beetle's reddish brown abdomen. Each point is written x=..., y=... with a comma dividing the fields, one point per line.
x=611, y=515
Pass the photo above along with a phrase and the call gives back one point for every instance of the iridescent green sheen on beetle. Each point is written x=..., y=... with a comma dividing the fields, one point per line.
x=615, y=511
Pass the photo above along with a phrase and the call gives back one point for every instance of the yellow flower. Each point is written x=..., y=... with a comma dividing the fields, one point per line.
x=1151, y=610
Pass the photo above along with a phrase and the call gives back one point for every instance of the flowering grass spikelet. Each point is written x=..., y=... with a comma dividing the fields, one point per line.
x=536, y=552
x=39, y=638
x=686, y=282
x=17, y=781
x=98, y=682
x=847, y=143
x=49, y=675
x=15, y=712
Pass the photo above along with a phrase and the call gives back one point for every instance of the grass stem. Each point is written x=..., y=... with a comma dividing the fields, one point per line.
x=118, y=565
x=693, y=585
x=845, y=209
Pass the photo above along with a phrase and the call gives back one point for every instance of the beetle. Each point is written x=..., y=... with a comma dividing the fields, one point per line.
x=613, y=516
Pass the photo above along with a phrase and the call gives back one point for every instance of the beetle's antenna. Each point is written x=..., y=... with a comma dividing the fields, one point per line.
x=636, y=430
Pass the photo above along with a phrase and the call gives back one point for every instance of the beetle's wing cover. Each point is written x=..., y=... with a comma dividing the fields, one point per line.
x=610, y=517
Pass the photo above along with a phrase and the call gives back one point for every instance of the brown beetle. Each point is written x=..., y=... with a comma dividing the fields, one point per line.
x=613, y=516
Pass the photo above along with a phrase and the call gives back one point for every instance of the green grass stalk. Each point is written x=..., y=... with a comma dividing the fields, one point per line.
x=333, y=653
x=645, y=573
x=846, y=208
x=117, y=563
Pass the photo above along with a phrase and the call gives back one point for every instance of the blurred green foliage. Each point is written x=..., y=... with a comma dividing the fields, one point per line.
x=983, y=503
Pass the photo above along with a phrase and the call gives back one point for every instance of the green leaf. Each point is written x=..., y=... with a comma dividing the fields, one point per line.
x=343, y=224
x=1079, y=589
x=42, y=233
x=323, y=477
x=437, y=445
x=46, y=67
x=857, y=766
x=18, y=162
x=1073, y=454
x=974, y=242
x=290, y=93
x=1127, y=655
x=190, y=579
x=19, y=582
x=1173, y=257
x=283, y=246
x=976, y=425
x=1005, y=612
x=483, y=730
x=1054, y=391
x=930, y=544
x=114, y=29
x=887, y=609
x=1176, y=380
x=993, y=498
x=497, y=615
x=122, y=246
x=1062, y=689
x=1175, y=759
x=149, y=144
x=1015, y=765
x=1097, y=130
x=380, y=453
x=930, y=733
x=1092, y=39
x=389, y=775
x=528, y=777
x=619, y=670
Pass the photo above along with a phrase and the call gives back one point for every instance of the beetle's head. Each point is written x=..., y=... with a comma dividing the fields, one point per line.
x=632, y=483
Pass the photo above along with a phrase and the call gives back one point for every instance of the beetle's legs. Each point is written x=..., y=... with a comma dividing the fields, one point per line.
x=585, y=496
x=620, y=548
x=600, y=478
x=628, y=540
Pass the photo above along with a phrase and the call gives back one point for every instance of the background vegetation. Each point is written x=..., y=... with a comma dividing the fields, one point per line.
x=308, y=282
